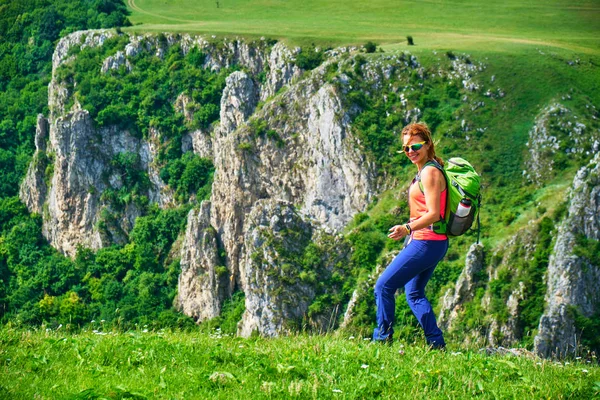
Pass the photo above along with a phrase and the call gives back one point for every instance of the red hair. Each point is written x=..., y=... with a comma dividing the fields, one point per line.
x=421, y=130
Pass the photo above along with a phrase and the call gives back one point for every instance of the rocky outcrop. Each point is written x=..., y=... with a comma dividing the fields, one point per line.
x=296, y=154
x=281, y=70
x=464, y=290
x=238, y=102
x=275, y=297
x=572, y=279
x=508, y=333
x=558, y=132
x=505, y=289
x=58, y=94
x=34, y=188
x=80, y=153
x=115, y=62
x=496, y=300
x=303, y=155
x=82, y=172
x=203, y=282
x=200, y=140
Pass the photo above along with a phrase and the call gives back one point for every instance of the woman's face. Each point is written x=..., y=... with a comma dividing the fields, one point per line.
x=416, y=156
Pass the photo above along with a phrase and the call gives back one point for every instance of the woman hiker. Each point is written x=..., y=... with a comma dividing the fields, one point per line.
x=415, y=264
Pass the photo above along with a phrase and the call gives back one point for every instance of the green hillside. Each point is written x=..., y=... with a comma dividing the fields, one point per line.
x=459, y=24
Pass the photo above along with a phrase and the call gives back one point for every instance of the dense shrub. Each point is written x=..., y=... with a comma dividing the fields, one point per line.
x=188, y=175
x=310, y=57
x=370, y=47
x=123, y=285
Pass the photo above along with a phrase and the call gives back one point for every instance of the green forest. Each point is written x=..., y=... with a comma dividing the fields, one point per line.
x=127, y=284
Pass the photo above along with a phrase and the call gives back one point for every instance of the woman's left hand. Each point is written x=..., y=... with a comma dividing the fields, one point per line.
x=397, y=232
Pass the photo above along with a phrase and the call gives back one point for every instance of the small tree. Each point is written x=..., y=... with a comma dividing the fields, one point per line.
x=409, y=40
x=370, y=47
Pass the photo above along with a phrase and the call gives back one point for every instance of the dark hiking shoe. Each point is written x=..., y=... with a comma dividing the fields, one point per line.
x=387, y=341
x=437, y=346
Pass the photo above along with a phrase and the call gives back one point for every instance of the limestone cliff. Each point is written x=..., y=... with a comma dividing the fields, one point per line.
x=79, y=154
x=572, y=278
x=203, y=283
x=464, y=290
x=295, y=156
x=290, y=174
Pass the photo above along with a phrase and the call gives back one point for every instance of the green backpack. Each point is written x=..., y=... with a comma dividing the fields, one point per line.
x=463, y=200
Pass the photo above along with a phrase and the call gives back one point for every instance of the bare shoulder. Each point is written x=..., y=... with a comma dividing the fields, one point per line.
x=431, y=173
x=431, y=176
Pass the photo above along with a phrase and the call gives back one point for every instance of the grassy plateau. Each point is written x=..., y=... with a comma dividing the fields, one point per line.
x=461, y=25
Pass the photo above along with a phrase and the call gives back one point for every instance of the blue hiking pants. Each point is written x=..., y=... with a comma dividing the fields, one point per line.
x=412, y=269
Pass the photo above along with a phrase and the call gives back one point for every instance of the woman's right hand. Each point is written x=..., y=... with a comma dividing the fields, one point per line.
x=397, y=232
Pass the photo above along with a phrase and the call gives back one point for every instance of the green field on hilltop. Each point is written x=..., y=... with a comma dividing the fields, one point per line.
x=184, y=365
x=434, y=24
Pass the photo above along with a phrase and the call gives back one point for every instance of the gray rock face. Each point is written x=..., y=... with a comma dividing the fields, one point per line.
x=512, y=256
x=304, y=168
x=238, y=102
x=82, y=162
x=282, y=70
x=572, y=280
x=115, y=62
x=33, y=190
x=73, y=198
x=203, y=282
x=558, y=130
x=508, y=333
x=542, y=144
x=500, y=323
x=272, y=301
x=314, y=165
x=199, y=141
x=464, y=289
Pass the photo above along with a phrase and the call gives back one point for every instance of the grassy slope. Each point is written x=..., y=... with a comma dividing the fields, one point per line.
x=526, y=47
x=434, y=24
x=197, y=365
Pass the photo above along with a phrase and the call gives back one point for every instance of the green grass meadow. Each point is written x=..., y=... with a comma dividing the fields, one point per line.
x=192, y=365
x=462, y=25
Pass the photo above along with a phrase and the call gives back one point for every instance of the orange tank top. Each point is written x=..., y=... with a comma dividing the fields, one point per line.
x=418, y=208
